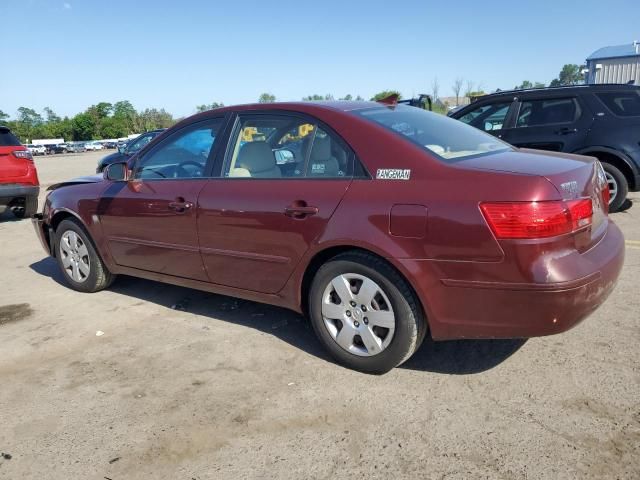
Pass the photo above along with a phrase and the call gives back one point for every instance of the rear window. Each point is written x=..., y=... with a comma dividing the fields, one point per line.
x=624, y=104
x=450, y=140
x=8, y=139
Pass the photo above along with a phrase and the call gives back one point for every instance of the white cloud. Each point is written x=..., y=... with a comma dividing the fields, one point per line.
x=66, y=5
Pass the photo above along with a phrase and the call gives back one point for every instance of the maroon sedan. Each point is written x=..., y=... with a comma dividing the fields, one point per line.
x=379, y=222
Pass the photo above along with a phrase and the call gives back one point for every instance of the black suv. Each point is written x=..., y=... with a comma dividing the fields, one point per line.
x=126, y=150
x=601, y=121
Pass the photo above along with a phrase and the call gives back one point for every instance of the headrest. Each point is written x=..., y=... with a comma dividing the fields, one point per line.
x=256, y=157
x=321, y=149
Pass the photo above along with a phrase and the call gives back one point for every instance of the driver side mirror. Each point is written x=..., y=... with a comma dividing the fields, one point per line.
x=116, y=172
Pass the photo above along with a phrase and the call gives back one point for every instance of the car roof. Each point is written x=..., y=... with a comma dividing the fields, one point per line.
x=335, y=105
x=565, y=88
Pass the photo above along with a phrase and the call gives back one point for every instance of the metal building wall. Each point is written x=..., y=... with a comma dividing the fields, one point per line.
x=616, y=70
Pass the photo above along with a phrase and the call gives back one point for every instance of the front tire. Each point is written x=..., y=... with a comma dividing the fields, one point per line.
x=618, y=186
x=81, y=266
x=364, y=313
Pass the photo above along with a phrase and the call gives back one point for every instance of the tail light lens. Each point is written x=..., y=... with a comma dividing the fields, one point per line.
x=26, y=154
x=511, y=220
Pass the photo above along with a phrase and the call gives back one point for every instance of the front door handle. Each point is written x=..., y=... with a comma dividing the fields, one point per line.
x=300, y=210
x=566, y=131
x=180, y=205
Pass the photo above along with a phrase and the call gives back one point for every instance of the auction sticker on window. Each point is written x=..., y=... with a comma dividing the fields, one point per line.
x=393, y=174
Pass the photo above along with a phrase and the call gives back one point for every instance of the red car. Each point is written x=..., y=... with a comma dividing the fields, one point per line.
x=380, y=222
x=19, y=186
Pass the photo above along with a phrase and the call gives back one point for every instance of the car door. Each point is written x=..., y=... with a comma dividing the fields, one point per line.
x=149, y=222
x=491, y=116
x=558, y=123
x=281, y=180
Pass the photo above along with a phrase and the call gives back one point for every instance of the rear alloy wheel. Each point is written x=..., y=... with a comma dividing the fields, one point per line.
x=618, y=186
x=364, y=313
x=83, y=269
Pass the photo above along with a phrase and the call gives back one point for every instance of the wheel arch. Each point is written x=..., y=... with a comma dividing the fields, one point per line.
x=55, y=220
x=615, y=158
x=326, y=254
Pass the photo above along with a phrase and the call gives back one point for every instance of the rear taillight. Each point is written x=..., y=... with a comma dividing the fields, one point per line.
x=26, y=154
x=509, y=220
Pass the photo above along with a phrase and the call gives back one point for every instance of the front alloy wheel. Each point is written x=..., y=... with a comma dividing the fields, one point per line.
x=74, y=256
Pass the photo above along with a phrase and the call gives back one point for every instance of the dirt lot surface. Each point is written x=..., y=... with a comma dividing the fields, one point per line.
x=234, y=389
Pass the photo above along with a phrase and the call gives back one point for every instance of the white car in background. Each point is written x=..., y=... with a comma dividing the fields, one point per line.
x=92, y=146
x=36, y=149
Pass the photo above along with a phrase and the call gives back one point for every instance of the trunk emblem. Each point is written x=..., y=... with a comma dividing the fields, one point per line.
x=570, y=188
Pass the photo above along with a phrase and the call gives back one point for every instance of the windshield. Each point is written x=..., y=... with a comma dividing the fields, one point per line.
x=450, y=140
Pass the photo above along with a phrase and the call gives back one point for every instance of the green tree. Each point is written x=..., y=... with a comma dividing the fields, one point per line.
x=571, y=74
x=385, y=94
x=3, y=116
x=347, y=97
x=524, y=85
x=204, y=107
x=83, y=126
x=50, y=115
x=267, y=98
x=125, y=115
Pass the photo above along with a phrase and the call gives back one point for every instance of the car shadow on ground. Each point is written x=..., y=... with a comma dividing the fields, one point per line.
x=8, y=216
x=453, y=357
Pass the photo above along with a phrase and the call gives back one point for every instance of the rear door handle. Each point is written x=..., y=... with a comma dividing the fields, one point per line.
x=301, y=211
x=566, y=131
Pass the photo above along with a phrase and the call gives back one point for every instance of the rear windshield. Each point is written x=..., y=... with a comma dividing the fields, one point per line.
x=624, y=104
x=8, y=139
x=450, y=140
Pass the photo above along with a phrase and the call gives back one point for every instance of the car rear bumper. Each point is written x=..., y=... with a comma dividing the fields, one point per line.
x=8, y=192
x=458, y=308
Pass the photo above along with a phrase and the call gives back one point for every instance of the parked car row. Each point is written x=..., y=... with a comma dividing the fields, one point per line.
x=69, y=147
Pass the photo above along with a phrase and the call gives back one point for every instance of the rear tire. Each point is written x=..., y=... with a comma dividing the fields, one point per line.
x=617, y=181
x=367, y=344
x=81, y=266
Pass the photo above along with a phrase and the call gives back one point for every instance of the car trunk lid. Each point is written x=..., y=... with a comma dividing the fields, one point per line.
x=574, y=177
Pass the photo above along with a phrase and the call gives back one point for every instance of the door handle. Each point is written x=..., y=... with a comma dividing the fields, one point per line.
x=180, y=205
x=566, y=131
x=300, y=211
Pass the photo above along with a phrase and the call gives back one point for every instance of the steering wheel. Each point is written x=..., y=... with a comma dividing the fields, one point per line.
x=180, y=168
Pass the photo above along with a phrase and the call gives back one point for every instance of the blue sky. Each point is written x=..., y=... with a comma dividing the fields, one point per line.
x=178, y=54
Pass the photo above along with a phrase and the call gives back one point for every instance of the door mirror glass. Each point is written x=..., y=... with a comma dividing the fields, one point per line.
x=116, y=172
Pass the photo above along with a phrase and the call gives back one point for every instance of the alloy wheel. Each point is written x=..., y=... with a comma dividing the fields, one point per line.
x=358, y=314
x=74, y=256
x=613, y=187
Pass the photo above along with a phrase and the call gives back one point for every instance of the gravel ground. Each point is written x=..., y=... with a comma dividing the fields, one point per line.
x=234, y=389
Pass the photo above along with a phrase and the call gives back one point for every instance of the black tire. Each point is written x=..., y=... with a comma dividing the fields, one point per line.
x=99, y=276
x=622, y=184
x=30, y=208
x=410, y=324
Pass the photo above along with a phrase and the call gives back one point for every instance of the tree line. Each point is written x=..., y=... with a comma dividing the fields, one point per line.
x=107, y=120
x=104, y=120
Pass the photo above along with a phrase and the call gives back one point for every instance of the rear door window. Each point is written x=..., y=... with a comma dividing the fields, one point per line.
x=487, y=117
x=624, y=104
x=553, y=111
x=8, y=139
